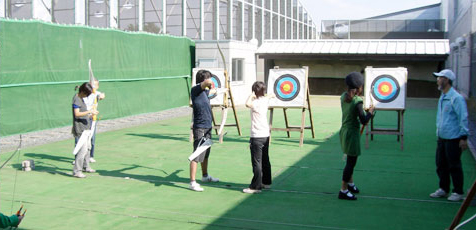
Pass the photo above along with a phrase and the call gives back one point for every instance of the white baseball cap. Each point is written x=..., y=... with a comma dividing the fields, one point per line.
x=446, y=73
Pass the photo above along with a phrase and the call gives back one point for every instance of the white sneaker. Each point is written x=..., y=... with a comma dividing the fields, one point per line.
x=456, y=197
x=439, y=193
x=251, y=191
x=92, y=160
x=79, y=175
x=195, y=186
x=74, y=162
x=210, y=179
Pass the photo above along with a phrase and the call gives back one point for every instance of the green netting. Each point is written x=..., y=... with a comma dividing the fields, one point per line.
x=41, y=63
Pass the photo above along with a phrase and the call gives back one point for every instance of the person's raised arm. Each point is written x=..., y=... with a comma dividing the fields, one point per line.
x=249, y=101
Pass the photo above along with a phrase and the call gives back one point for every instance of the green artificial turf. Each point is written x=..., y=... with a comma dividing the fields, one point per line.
x=143, y=173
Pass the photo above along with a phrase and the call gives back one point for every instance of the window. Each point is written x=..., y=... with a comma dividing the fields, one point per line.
x=237, y=69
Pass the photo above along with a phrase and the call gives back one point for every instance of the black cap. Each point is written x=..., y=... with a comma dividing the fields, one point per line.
x=354, y=80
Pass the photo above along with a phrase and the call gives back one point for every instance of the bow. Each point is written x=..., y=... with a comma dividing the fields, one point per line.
x=225, y=96
x=16, y=172
x=371, y=104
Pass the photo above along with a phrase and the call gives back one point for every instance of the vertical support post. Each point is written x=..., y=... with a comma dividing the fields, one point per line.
x=3, y=8
x=184, y=17
x=80, y=12
x=114, y=14
x=202, y=19
x=303, y=121
x=286, y=121
x=243, y=21
x=262, y=22
x=217, y=19
x=292, y=19
x=141, y=15
x=253, y=21
x=271, y=111
x=230, y=19
x=285, y=19
x=308, y=99
x=279, y=19
x=271, y=19
x=164, y=16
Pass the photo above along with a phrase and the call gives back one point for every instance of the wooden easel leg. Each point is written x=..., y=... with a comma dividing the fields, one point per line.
x=463, y=207
x=224, y=112
x=310, y=112
x=191, y=130
x=367, y=137
x=214, y=123
x=303, y=120
x=234, y=112
x=271, y=110
x=286, y=121
x=371, y=128
x=398, y=125
x=401, y=129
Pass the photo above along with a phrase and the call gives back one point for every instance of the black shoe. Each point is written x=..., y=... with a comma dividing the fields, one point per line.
x=347, y=196
x=353, y=189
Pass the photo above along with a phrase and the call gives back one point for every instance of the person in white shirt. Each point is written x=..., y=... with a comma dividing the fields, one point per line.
x=259, y=138
x=92, y=103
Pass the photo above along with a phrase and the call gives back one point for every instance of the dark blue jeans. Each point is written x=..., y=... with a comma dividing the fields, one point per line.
x=260, y=162
x=448, y=164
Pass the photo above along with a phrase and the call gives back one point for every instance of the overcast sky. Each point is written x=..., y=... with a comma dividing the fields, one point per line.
x=358, y=9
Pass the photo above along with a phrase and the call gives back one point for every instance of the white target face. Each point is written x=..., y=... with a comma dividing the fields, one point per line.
x=218, y=79
x=385, y=88
x=289, y=86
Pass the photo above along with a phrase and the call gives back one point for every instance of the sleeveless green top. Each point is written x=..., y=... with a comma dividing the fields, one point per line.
x=350, y=129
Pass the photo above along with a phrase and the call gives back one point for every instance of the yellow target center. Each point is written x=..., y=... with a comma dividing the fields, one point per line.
x=286, y=87
x=385, y=88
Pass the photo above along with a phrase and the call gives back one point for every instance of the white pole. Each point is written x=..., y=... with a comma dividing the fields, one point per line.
x=202, y=20
x=141, y=15
x=217, y=18
x=230, y=19
x=184, y=17
x=164, y=16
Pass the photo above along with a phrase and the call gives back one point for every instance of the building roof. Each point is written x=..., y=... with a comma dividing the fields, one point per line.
x=356, y=47
x=406, y=11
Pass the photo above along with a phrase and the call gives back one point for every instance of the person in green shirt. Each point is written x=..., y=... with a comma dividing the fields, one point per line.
x=10, y=221
x=352, y=113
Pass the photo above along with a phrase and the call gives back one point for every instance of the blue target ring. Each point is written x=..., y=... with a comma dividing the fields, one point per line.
x=286, y=87
x=385, y=88
x=216, y=84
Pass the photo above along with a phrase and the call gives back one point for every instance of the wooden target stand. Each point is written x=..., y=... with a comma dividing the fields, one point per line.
x=396, y=131
x=290, y=128
x=227, y=103
x=464, y=206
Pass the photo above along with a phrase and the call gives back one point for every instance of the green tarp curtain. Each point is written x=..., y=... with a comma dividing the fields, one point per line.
x=41, y=63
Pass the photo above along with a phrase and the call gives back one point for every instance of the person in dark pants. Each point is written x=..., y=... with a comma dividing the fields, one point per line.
x=259, y=138
x=452, y=132
x=202, y=126
x=352, y=112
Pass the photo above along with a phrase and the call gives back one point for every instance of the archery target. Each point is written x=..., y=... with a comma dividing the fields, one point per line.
x=218, y=79
x=289, y=86
x=385, y=88
x=216, y=83
x=286, y=87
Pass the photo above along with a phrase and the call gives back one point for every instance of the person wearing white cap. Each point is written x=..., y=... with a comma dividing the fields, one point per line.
x=452, y=133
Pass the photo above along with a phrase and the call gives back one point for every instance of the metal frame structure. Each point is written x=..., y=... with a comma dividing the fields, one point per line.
x=230, y=19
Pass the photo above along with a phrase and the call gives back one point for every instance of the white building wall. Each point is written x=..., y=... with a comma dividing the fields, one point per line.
x=460, y=27
x=207, y=55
